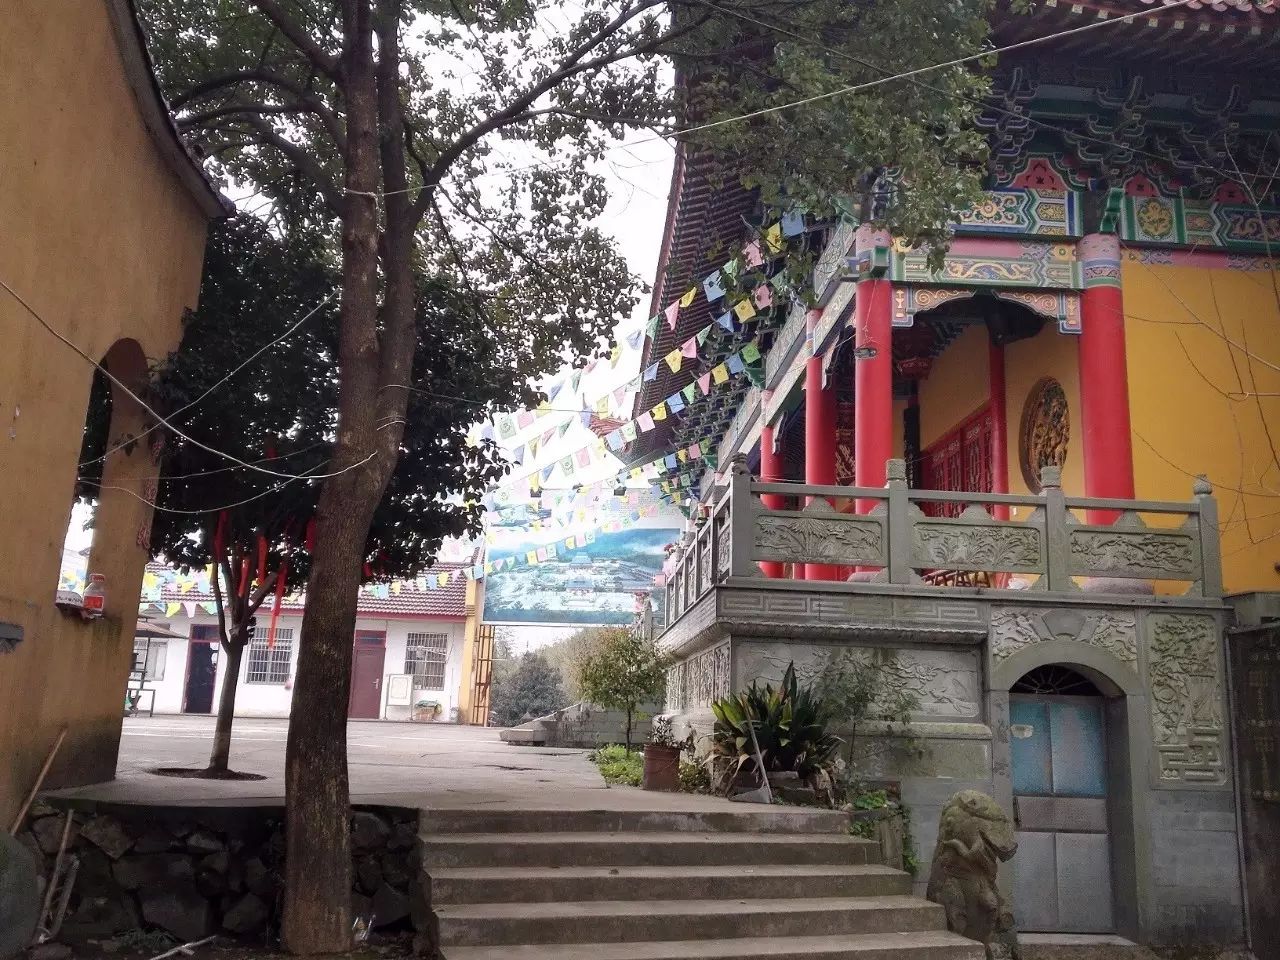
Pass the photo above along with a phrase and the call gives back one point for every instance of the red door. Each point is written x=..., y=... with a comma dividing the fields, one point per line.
x=370, y=650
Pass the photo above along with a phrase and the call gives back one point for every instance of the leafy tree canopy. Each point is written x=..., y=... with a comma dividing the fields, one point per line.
x=532, y=689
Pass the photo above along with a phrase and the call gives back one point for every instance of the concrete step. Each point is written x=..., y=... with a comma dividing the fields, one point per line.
x=922, y=945
x=675, y=848
x=550, y=884
x=615, y=921
x=752, y=819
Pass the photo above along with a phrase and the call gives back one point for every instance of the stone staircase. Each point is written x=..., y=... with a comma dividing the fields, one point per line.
x=773, y=882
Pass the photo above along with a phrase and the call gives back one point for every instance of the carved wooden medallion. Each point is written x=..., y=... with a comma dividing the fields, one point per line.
x=1046, y=431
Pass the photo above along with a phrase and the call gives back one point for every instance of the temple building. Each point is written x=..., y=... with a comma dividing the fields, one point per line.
x=1039, y=485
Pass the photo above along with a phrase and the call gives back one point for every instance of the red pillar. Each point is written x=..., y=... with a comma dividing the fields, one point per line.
x=999, y=427
x=819, y=437
x=873, y=362
x=1104, y=376
x=770, y=472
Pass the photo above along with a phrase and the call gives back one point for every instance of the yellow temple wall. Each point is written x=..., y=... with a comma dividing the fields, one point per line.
x=105, y=244
x=1203, y=350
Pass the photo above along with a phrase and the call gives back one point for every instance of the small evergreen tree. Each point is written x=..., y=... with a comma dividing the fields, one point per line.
x=625, y=671
x=532, y=689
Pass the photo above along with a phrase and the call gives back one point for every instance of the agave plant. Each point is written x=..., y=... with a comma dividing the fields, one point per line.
x=790, y=724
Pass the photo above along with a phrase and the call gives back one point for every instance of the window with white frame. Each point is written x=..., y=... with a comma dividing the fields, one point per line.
x=148, y=659
x=424, y=657
x=269, y=662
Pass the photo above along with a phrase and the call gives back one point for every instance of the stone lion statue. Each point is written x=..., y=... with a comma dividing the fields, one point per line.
x=974, y=837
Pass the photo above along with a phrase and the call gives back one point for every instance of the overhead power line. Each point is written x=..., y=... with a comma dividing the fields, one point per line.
x=164, y=422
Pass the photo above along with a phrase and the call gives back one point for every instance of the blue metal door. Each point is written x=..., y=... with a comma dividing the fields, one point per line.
x=1062, y=871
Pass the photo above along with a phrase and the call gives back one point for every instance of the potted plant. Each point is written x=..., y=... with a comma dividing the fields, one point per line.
x=662, y=758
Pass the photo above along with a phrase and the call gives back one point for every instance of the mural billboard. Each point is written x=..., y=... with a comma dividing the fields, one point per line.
x=581, y=562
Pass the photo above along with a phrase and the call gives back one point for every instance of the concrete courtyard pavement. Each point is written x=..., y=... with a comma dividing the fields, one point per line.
x=425, y=765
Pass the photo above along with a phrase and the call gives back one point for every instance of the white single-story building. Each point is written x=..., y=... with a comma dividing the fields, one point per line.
x=407, y=658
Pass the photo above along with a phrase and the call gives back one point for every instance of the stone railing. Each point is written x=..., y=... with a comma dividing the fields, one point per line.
x=894, y=540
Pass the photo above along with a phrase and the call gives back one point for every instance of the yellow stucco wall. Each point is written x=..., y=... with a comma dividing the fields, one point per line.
x=1198, y=403
x=956, y=386
x=103, y=241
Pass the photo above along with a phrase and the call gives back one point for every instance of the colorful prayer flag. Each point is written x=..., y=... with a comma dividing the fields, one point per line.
x=751, y=352
x=713, y=287
x=660, y=411
x=720, y=373
x=704, y=383
x=645, y=422
x=744, y=309
x=763, y=296
x=674, y=359
x=726, y=320
x=751, y=253
x=689, y=348
x=672, y=311
x=735, y=364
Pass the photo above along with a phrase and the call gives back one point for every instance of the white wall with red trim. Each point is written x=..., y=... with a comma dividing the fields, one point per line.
x=272, y=699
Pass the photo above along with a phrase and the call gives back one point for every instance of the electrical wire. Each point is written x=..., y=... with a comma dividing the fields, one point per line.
x=284, y=336
x=145, y=406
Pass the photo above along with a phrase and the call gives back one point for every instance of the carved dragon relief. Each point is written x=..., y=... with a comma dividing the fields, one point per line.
x=946, y=684
x=981, y=546
x=817, y=534
x=1167, y=555
x=1186, y=698
x=1014, y=629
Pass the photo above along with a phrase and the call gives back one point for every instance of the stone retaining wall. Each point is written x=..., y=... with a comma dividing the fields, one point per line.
x=192, y=872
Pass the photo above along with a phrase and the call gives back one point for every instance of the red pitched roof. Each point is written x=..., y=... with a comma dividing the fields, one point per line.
x=437, y=602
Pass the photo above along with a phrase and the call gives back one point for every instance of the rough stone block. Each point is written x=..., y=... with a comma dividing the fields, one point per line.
x=179, y=908
x=404, y=835
x=399, y=868
x=249, y=914
x=368, y=831
x=211, y=874
x=368, y=874
x=108, y=835
x=204, y=842
x=152, y=870
x=99, y=917
x=48, y=833
x=259, y=879
x=389, y=906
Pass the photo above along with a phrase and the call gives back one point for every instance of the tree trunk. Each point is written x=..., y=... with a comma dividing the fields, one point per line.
x=629, y=711
x=317, y=901
x=220, y=758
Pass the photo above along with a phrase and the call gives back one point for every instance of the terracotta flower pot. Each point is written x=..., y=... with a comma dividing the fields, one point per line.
x=661, y=767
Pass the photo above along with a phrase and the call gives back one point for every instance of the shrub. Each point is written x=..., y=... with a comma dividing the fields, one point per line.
x=626, y=670
x=618, y=765
x=790, y=725
x=694, y=778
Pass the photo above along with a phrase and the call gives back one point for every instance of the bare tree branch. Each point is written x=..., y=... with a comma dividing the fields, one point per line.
x=325, y=62
x=300, y=158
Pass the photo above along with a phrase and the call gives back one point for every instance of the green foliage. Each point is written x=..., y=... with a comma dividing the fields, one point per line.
x=694, y=778
x=569, y=654
x=790, y=724
x=619, y=765
x=530, y=690
x=625, y=671
x=906, y=154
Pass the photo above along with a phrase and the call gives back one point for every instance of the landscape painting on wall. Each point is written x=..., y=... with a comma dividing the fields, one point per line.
x=595, y=581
